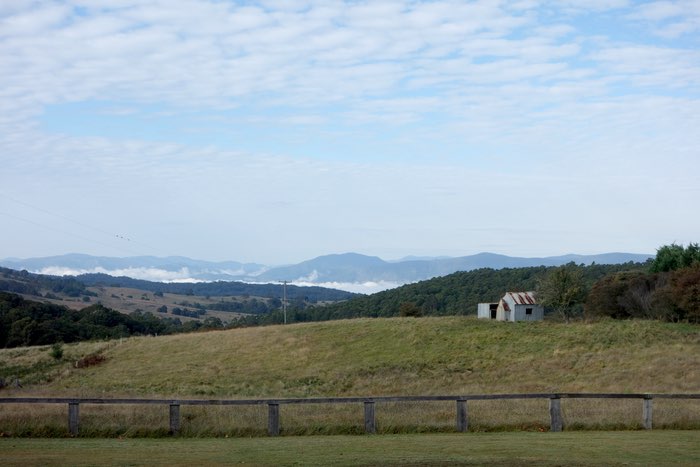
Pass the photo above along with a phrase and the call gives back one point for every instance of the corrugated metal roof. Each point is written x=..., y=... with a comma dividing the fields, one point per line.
x=523, y=298
x=505, y=305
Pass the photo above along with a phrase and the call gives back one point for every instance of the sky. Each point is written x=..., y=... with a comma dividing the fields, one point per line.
x=278, y=131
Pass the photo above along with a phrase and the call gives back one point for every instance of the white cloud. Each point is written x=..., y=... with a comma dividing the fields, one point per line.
x=147, y=274
x=578, y=6
x=34, y=21
x=356, y=287
x=658, y=11
x=669, y=19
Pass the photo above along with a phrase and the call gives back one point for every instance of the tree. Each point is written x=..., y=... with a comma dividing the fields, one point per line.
x=686, y=289
x=672, y=257
x=562, y=289
x=624, y=295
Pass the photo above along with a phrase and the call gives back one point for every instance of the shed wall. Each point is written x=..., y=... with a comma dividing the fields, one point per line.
x=520, y=313
x=502, y=314
x=483, y=311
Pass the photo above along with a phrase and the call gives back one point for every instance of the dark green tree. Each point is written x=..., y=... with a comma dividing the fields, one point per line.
x=672, y=257
x=562, y=289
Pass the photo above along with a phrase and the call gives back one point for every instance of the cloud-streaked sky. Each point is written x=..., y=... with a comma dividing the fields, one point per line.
x=276, y=131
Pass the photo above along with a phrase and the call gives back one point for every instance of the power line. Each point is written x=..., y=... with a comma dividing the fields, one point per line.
x=120, y=237
x=50, y=227
x=60, y=216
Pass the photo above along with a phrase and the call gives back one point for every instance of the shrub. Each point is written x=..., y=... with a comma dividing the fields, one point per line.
x=56, y=351
x=90, y=360
x=409, y=309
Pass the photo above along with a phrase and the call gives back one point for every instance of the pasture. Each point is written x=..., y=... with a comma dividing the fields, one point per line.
x=364, y=358
x=542, y=449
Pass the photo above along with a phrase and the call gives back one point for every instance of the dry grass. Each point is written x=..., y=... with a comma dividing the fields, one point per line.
x=325, y=419
x=399, y=356
x=128, y=300
x=396, y=357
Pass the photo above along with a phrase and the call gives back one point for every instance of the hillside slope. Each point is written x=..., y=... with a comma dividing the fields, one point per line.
x=397, y=356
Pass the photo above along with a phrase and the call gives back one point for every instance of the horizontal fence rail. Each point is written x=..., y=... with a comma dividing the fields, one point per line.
x=273, y=426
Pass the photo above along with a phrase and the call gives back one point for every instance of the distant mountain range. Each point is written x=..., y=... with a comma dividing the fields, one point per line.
x=349, y=271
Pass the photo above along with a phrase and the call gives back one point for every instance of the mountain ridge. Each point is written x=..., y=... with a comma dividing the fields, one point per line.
x=340, y=268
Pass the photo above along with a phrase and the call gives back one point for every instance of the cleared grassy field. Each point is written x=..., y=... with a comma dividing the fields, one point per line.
x=367, y=357
x=398, y=356
x=128, y=300
x=542, y=449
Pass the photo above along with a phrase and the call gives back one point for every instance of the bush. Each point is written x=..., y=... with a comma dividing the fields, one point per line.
x=409, y=309
x=668, y=296
x=56, y=351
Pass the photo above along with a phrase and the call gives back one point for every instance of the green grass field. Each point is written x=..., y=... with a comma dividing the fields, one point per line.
x=541, y=449
x=366, y=357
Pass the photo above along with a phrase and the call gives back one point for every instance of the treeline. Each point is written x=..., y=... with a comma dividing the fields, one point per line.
x=454, y=294
x=25, y=322
x=669, y=291
x=23, y=282
x=220, y=288
x=249, y=305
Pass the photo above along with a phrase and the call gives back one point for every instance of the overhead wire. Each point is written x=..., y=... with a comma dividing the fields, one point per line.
x=120, y=237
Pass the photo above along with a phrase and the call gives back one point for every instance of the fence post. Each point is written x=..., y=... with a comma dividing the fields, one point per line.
x=174, y=418
x=556, y=420
x=73, y=418
x=647, y=411
x=273, y=419
x=462, y=416
x=370, y=425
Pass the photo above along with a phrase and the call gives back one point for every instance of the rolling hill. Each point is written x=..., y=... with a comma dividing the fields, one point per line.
x=396, y=356
x=361, y=358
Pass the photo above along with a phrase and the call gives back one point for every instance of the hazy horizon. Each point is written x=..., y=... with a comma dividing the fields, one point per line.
x=333, y=275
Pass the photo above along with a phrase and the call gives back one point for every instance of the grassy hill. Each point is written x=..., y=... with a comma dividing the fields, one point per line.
x=396, y=356
x=363, y=357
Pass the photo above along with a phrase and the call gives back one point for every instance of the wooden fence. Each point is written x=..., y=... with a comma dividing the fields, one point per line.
x=273, y=423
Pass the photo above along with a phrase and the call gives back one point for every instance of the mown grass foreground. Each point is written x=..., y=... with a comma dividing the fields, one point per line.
x=541, y=449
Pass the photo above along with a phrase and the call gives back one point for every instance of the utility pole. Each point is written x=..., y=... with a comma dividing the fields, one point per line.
x=284, y=300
